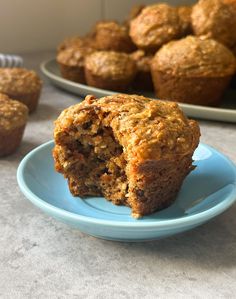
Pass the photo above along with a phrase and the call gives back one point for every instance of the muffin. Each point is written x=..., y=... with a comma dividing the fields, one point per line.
x=22, y=85
x=76, y=42
x=132, y=150
x=192, y=70
x=71, y=63
x=13, y=118
x=214, y=19
x=231, y=3
x=143, y=78
x=111, y=36
x=109, y=70
x=154, y=26
x=184, y=13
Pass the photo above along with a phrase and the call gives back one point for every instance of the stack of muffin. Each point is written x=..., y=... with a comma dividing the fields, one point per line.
x=185, y=53
x=19, y=94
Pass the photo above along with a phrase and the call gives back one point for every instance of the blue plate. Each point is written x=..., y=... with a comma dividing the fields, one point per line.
x=207, y=191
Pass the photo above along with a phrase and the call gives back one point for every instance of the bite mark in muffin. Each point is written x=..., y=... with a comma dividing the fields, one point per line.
x=130, y=149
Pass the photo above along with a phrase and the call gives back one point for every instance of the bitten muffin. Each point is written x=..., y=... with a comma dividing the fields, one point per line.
x=109, y=70
x=22, y=85
x=184, y=13
x=214, y=19
x=76, y=42
x=13, y=118
x=132, y=150
x=71, y=63
x=192, y=70
x=154, y=26
x=114, y=37
x=143, y=78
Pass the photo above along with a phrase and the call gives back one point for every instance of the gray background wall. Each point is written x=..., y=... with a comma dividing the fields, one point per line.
x=27, y=25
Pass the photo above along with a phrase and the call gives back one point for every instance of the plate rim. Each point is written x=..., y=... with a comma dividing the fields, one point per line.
x=176, y=222
x=50, y=75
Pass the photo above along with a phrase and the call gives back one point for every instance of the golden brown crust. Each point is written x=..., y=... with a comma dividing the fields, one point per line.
x=19, y=80
x=154, y=26
x=73, y=56
x=76, y=42
x=114, y=37
x=133, y=150
x=194, y=57
x=148, y=129
x=110, y=65
x=214, y=19
x=13, y=114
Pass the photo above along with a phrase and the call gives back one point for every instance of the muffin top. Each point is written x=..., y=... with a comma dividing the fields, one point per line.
x=13, y=114
x=112, y=36
x=73, y=56
x=184, y=13
x=16, y=81
x=76, y=42
x=109, y=64
x=193, y=56
x=215, y=19
x=142, y=60
x=113, y=27
x=147, y=129
x=154, y=26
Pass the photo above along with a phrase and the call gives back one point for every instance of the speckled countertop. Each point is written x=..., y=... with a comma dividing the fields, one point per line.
x=43, y=258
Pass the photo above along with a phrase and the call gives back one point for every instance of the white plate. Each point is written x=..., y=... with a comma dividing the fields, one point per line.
x=226, y=112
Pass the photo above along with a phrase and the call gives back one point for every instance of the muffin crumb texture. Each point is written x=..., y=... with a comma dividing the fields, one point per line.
x=132, y=150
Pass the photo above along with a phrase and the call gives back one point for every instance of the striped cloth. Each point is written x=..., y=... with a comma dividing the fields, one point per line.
x=10, y=60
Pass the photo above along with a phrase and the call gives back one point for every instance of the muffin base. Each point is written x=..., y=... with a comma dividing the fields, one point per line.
x=73, y=73
x=29, y=99
x=10, y=140
x=193, y=90
x=157, y=184
x=107, y=83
